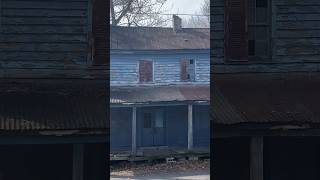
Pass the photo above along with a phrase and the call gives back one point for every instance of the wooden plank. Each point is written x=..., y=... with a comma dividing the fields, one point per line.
x=134, y=130
x=45, y=38
x=55, y=73
x=43, y=13
x=38, y=57
x=78, y=162
x=267, y=68
x=61, y=5
x=190, y=126
x=293, y=50
x=297, y=2
x=298, y=17
x=47, y=29
x=44, y=21
x=44, y=47
x=296, y=25
x=256, y=158
x=314, y=9
x=298, y=33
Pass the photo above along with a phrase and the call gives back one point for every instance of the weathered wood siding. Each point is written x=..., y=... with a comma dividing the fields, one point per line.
x=47, y=35
x=124, y=66
x=295, y=38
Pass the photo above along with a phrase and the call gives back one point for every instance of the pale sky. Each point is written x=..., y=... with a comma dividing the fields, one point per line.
x=184, y=6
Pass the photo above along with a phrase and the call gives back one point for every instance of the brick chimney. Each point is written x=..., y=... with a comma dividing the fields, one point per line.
x=177, y=23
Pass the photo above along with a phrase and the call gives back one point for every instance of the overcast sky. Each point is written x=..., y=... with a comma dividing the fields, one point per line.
x=184, y=6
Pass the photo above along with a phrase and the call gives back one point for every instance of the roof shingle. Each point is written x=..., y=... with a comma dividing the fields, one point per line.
x=158, y=38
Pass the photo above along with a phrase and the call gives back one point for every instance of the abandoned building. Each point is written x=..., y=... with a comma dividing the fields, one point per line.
x=159, y=95
x=53, y=74
x=266, y=83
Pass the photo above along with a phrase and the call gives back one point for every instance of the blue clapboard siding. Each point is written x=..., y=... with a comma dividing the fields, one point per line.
x=124, y=66
x=44, y=34
x=295, y=38
x=120, y=129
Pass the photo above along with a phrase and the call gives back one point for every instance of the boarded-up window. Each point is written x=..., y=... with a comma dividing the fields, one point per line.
x=187, y=72
x=99, y=32
x=236, y=33
x=145, y=71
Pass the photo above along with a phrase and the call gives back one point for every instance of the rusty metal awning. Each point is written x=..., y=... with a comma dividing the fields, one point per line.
x=35, y=112
x=258, y=98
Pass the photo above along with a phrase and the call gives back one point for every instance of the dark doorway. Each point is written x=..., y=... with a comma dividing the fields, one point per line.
x=231, y=159
x=153, y=127
x=36, y=162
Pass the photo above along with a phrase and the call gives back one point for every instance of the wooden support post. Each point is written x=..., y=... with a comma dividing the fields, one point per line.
x=256, y=158
x=190, y=127
x=78, y=161
x=134, y=130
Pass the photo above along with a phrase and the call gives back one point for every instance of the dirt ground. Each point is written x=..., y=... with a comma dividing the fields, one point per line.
x=191, y=170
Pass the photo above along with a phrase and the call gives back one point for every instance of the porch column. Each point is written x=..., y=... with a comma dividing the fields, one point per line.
x=256, y=158
x=77, y=162
x=190, y=127
x=134, y=130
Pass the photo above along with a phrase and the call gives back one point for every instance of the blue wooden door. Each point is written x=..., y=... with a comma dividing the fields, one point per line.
x=159, y=129
x=153, y=130
x=147, y=130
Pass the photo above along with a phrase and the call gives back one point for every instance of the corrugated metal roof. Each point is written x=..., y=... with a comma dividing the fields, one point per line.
x=223, y=111
x=263, y=99
x=158, y=38
x=26, y=112
x=154, y=94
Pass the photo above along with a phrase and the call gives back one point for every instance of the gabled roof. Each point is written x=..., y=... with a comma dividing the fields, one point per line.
x=158, y=38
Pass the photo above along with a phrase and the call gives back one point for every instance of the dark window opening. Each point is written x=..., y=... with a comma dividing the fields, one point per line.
x=147, y=120
x=251, y=48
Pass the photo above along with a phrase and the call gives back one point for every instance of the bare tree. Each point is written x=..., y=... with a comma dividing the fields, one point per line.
x=137, y=12
x=203, y=19
x=205, y=8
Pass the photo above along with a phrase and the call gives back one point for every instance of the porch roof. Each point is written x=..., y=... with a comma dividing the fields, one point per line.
x=32, y=108
x=267, y=98
x=158, y=94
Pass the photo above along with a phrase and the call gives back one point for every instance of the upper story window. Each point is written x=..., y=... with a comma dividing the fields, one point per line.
x=187, y=72
x=145, y=71
x=247, y=30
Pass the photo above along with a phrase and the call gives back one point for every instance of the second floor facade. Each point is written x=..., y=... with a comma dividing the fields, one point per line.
x=164, y=67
